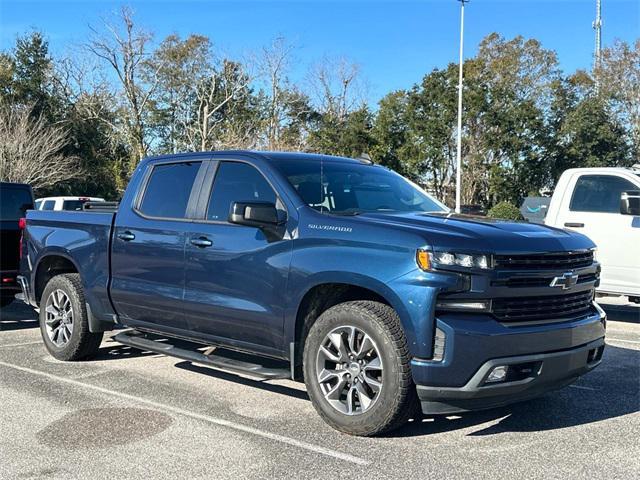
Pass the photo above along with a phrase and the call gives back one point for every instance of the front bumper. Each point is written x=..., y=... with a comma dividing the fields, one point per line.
x=541, y=358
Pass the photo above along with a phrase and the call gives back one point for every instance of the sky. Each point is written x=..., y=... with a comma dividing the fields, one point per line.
x=395, y=43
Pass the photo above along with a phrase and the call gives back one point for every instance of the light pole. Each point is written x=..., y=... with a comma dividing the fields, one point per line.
x=459, y=155
x=597, y=54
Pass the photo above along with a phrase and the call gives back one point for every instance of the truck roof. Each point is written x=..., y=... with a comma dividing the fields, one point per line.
x=71, y=197
x=635, y=169
x=13, y=185
x=270, y=156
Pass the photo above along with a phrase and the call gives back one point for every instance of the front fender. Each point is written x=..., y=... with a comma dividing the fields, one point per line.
x=411, y=295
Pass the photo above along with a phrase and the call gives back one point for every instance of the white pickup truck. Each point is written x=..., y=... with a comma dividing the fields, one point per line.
x=604, y=204
x=64, y=203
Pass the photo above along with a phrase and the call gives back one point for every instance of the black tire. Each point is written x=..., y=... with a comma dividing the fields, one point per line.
x=396, y=401
x=6, y=300
x=82, y=344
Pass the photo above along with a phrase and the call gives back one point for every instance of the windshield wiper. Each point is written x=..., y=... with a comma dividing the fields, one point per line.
x=344, y=213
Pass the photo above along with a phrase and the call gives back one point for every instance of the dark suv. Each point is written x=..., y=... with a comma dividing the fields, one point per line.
x=15, y=200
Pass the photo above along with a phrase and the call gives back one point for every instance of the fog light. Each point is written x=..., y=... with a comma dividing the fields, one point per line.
x=498, y=374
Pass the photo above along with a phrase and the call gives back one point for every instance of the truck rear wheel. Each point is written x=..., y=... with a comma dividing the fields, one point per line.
x=356, y=368
x=64, y=323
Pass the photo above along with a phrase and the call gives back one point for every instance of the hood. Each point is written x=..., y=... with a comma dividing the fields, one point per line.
x=481, y=234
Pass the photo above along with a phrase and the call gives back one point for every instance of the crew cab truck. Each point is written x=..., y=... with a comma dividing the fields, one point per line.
x=355, y=279
x=604, y=204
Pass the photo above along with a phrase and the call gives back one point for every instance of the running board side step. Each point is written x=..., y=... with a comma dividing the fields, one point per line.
x=142, y=341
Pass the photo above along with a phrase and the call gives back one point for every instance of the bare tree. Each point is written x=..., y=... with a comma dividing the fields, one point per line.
x=287, y=108
x=84, y=85
x=273, y=67
x=125, y=48
x=336, y=86
x=214, y=90
x=31, y=151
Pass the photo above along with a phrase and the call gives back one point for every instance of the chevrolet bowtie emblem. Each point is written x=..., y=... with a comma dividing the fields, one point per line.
x=565, y=281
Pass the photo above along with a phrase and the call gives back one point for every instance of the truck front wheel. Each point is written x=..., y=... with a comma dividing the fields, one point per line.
x=64, y=323
x=356, y=369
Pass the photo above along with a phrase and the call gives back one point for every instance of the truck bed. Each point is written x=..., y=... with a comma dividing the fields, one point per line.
x=84, y=238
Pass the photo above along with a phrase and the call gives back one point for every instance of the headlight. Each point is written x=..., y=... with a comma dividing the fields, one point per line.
x=429, y=260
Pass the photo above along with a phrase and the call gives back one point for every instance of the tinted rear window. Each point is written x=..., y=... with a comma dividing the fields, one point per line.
x=73, y=204
x=14, y=202
x=168, y=190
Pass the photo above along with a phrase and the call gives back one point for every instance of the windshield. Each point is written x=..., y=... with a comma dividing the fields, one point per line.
x=351, y=188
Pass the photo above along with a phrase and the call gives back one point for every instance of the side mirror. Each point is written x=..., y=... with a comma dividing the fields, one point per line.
x=630, y=202
x=262, y=215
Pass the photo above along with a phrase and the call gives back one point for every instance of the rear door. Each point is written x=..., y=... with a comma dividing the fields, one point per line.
x=593, y=208
x=148, y=246
x=235, y=281
x=15, y=200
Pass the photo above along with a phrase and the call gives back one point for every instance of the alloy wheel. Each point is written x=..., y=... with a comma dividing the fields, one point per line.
x=59, y=318
x=349, y=370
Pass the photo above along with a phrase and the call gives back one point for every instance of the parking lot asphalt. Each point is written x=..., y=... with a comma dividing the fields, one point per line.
x=134, y=414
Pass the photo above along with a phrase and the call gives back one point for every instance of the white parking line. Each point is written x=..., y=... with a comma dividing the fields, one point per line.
x=580, y=387
x=216, y=421
x=609, y=339
x=21, y=344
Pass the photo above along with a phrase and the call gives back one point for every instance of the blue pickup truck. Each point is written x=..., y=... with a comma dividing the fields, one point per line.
x=332, y=270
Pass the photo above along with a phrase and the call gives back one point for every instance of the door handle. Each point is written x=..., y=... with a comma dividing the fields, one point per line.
x=574, y=225
x=126, y=236
x=201, y=242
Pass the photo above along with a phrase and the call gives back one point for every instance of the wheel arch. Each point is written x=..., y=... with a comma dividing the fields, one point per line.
x=48, y=266
x=327, y=291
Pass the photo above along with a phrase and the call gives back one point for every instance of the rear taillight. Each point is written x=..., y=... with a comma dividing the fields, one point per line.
x=22, y=224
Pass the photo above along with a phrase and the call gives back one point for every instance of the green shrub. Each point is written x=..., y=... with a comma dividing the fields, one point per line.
x=506, y=211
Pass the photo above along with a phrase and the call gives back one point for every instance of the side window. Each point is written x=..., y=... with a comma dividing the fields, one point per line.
x=168, y=190
x=237, y=182
x=599, y=193
x=49, y=205
x=38, y=203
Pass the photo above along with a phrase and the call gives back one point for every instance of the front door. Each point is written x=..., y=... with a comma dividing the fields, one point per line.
x=147, y=257
x=235, y=278
x=594, y=210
